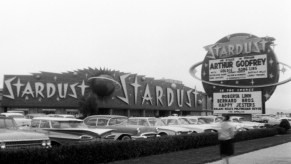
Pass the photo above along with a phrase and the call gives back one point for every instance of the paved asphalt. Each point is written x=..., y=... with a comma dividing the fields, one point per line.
x=280, y=154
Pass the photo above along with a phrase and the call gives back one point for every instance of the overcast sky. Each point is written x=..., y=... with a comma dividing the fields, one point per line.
x=155, y=38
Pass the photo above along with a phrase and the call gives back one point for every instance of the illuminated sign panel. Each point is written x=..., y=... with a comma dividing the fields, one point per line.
x=237, y=102
x=246, y=67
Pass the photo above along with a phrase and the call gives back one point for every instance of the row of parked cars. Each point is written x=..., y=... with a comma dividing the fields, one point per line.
x=47, y=131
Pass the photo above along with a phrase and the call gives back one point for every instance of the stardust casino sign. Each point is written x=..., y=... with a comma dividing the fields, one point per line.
x=66, y=90
x=238, y=73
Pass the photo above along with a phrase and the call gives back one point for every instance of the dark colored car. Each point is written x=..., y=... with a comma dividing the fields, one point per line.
x=63, y=131
x=123, y=131
x=12, y=137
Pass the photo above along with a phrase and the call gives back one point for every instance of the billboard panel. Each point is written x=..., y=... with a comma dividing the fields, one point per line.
x=245, y=67
x=237, y=102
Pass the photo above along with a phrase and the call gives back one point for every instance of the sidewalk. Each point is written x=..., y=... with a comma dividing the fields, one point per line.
x=280, y=154
x=247, y=153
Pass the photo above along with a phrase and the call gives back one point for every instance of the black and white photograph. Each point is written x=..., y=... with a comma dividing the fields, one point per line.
x=145, y=81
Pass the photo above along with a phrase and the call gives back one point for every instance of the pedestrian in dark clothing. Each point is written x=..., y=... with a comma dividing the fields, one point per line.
x=226, y=136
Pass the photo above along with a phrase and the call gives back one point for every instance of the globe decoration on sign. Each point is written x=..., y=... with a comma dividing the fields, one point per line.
x=242, y=63
x=103, y=85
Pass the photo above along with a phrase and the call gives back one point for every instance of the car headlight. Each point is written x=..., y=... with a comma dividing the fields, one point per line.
x=138, y=130
x=178, y=133
x=48, y=143
x=43, y=143
x=3, y=145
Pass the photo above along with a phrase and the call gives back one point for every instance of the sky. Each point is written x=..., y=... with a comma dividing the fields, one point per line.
x=155, y=38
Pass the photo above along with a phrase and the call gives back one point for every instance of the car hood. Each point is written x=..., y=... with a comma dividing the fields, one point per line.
x=19, y=135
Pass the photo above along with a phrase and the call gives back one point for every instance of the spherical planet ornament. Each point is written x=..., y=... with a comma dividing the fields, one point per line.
x=103, y=85
x=240, y=61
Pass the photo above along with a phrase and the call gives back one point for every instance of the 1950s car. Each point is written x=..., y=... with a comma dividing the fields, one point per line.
x=63, y=131
x=242, y=125
x=185, y=123
x=19, y=118
x=163, y=130
x=12, y=137
x=124, y=131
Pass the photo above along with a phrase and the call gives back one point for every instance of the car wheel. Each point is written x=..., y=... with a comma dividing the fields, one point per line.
x=124, y=138
x=163, y=134
x=242, y=129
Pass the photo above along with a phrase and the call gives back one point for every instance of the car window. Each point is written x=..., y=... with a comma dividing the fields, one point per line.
x=143, y=122
x=218, y=119
x=91, y=122
x=101, y=122
x=133, y=122
x=117, y=121
x=235, y=120
x=184, y=121
x=172, y=122
x=7, y=123
x=156, y=122
x=35, y=123
x=44, y=124
x=55, y=124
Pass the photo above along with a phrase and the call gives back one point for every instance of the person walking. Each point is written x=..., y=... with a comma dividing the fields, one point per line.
x=226, y=139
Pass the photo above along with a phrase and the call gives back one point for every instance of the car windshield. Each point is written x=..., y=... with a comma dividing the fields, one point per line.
x=236, y=120
x=116, y=121
x=7, y=124
x=184, y=121
x=68, y=124
x=141, y=122
x=16, y=116
x=206, y=120
x=156, y=122
x=193, y=120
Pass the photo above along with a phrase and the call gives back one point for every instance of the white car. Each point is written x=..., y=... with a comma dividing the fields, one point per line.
x=19, y=118
x=185, y=123
x=163, y=130
x=206, y=122
x=241, y=124
x=277, y=120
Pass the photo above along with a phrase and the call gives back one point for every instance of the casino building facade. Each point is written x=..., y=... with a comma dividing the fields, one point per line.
x=103, y=91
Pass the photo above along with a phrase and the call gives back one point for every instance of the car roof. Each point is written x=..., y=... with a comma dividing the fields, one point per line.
x=56, y=119
x=9, y=114
x=141, y=117
x=106, y=116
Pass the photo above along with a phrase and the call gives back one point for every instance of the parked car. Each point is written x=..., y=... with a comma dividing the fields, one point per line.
x=163, y=130
x=242, y=125
x=185, y=123
x=262, y=117
x=62, y=115
x=12, y=137
x=277, y=120
x=33, y=115
x=209, y=123
x=63, y=131
x=124, y=131
x=19, y=118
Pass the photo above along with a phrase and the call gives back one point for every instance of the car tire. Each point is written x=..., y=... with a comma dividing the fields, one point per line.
x=124, y=138
x=163, y=134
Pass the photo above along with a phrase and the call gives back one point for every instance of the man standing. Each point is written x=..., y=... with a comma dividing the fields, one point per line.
x=226, y=137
